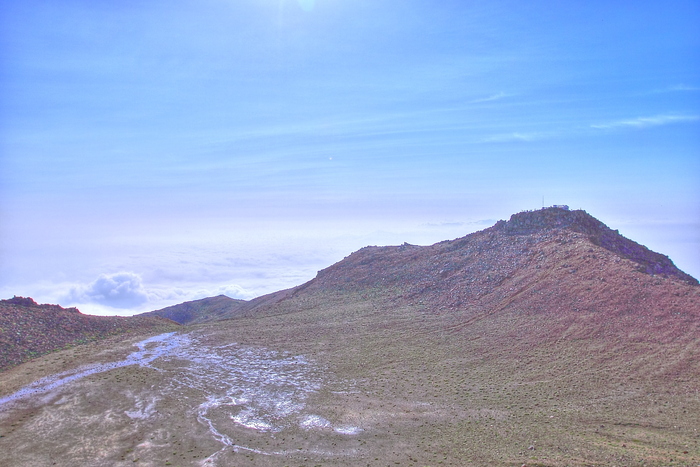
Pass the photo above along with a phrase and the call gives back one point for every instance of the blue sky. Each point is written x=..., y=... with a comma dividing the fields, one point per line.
x=155, y=152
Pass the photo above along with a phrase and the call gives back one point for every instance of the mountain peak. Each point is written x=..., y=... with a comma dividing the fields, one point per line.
x=534, y=250
x=560, y=217
x=555, y=217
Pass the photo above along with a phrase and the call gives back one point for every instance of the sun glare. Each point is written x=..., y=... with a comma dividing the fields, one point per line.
x=307, y=5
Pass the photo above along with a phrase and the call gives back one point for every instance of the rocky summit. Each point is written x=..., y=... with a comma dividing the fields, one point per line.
x=548, y=339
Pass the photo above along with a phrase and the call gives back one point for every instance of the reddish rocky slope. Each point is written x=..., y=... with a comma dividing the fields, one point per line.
x=540, y=261
x=28, y=329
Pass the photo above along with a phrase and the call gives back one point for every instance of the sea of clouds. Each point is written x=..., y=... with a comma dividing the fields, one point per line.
x=118, y=274
x=125, y=275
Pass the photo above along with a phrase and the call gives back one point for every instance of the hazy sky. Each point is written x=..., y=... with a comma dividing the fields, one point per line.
x=153, y=152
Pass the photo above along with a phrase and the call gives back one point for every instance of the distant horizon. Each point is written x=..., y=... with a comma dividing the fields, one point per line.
x=568, y=208
x=154, y=153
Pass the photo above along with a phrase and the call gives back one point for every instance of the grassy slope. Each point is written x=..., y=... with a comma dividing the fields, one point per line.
x=428, y=388
x=457, y=389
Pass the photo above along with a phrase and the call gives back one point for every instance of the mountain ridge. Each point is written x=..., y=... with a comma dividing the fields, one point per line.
x=568, y=256
x=468, y=271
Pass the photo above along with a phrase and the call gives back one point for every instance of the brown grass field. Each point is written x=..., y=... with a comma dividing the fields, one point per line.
x=425, y=390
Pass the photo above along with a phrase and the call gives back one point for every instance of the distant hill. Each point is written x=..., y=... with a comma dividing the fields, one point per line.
x=480, y=263
x=28, y=329
x=198, y=311
x=218, y=308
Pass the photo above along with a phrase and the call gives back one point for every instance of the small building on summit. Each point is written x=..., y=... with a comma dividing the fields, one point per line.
x=561, y=206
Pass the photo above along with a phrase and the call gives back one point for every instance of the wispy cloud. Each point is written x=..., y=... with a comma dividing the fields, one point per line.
x=494, y=97
x=644, y=122
x=683, y=87
x=513, y=137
